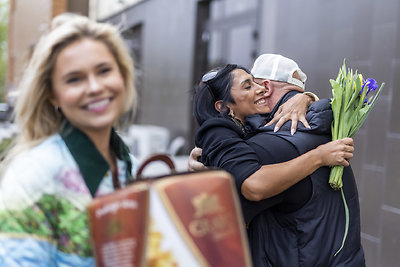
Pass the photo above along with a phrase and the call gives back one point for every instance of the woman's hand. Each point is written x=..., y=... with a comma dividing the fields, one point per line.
x=193, y=163
x=294, y=109
x=337, y=152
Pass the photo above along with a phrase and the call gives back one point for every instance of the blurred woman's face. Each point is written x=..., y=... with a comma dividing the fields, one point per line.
x=249, y=97
x=88, y=85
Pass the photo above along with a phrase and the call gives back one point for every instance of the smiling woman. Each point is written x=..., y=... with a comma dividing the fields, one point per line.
x=78, y=84
x=88, y=87
x=249, y=97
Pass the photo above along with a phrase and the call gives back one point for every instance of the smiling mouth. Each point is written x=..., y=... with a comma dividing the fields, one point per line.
x=98, y=105
x=260, y=101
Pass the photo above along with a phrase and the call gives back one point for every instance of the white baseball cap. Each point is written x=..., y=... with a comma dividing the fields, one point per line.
x=278, y=68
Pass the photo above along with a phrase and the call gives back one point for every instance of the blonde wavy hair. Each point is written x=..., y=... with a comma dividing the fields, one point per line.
x=35, y=115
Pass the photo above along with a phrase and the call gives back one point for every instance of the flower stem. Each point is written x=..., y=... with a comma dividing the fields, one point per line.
x=335, y=177
x=346, y=210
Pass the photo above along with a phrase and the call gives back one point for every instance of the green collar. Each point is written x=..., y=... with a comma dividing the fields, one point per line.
x=92, y=165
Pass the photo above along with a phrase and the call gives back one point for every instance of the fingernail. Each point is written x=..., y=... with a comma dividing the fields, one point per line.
x=308, y=127
x=292, y=131
x=276, y=129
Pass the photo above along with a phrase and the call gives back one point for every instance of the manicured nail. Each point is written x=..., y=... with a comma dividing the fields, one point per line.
x=276, y=129
x=292, y=131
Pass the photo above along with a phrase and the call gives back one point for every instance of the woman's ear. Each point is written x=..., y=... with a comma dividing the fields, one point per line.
x=218, y=105
x=53, y=100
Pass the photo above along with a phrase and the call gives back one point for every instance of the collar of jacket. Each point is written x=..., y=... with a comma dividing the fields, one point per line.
x=91, y=163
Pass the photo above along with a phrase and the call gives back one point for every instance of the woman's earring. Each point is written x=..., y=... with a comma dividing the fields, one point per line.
x=231, y=114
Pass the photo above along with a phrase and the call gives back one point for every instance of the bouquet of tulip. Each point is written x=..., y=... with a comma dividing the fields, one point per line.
x=353, y=99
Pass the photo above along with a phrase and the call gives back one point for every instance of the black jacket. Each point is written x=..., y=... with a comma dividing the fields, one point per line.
x=310, y=235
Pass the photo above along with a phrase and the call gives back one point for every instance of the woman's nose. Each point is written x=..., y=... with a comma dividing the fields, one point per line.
x=260, y=89
x=94, y=84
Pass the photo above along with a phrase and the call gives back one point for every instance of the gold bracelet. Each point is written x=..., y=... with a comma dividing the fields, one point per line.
x=313, y=96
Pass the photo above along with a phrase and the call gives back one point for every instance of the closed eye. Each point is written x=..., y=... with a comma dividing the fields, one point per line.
x=246, y=84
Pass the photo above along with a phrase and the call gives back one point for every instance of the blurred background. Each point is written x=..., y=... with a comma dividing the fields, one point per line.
x=174, y=42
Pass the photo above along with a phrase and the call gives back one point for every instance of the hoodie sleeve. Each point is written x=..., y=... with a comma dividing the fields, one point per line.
x=224, y=147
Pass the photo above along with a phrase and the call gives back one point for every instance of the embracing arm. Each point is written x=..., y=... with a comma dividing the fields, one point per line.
x=294, y=109
x=193, y=163
x=273, y=179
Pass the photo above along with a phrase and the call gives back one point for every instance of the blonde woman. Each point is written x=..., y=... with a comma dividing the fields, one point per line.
x=78, y=84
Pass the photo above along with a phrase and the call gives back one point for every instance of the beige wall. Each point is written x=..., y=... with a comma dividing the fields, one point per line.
x=24, y=33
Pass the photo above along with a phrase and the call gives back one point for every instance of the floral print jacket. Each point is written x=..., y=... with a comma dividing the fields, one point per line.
x=43, y=198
